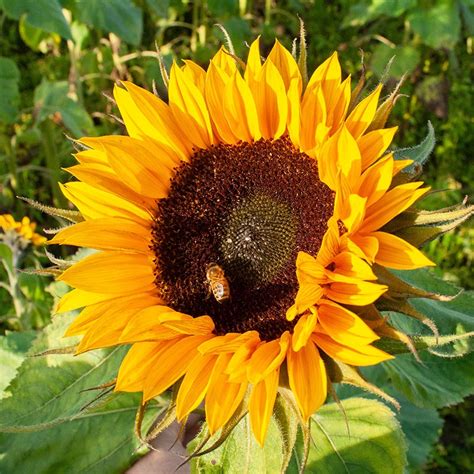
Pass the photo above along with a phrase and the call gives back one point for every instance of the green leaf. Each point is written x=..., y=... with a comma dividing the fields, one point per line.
x=222, y=8
x=240, y=453
x=6, y=255
x=447, y=315
x=121, y=17
x=43, y=14
x=98, y=443
x=10, y=96
x=51, y=99
x=421, y=426
x=419, y=154
x=439, y=26
x=405, y=61
x=13, y=348
x=44, y=423
x=363, y=12
x=374, y=442
x=435, y=382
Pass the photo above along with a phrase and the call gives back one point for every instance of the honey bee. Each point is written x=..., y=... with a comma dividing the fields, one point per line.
x=218, y=283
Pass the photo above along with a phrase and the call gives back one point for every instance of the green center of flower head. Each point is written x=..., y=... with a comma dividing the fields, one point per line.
x=247, y=209
x=259, y=238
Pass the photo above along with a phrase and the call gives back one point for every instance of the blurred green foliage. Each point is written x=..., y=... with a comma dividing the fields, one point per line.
x=59, y=60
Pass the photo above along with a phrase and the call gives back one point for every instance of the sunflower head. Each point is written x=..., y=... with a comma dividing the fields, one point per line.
x=243, y=236
x=19, y=234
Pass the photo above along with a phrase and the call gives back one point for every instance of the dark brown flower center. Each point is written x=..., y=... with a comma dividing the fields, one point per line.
x=248, y=208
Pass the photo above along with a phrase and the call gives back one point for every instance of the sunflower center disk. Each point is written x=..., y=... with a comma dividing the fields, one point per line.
x=248, y=208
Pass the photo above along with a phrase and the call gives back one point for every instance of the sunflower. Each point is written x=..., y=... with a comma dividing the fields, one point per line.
x=19, y=233
x=280, y=184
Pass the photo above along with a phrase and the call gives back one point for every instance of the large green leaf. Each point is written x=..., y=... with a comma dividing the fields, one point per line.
x=101, y=442
x=439, y=26
x=241, y=454
x=121, y=17
x=366, y=437
x=43, y=14
x=13, y=348
x=406, y=58
x=10, y=96
x=362, y=12
x=51, y=99
x=49, y=424
x=434, y=382
x=421, y=426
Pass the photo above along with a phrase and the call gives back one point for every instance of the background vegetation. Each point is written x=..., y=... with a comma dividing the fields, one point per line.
x=59, y=60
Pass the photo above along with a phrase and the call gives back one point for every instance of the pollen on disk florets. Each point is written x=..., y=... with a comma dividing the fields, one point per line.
x=250, y=208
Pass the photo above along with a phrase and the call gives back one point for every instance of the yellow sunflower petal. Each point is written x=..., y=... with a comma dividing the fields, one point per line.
x=294, y=113
x=271, y=101
x=223, y=60
x=354, y=214
x=240, y=110
x=328, y=75
x=307, y=377
x=303, y=329
x=189, y=108
x=94, y=312
x=348, y=264
x=107, y=233
x=363, y=114
x=267, y=357
x=262, y=400
x=343, y=325
x=286, y=65
x=254, y=63
x=359, y=293
x=145, y=115
x=195, y=73
x=223, y=397
x=171, y=363
x=360, y=355
x=79, y=298
x=395, y=252
x=136, y=366
x=195, y=383
x=376, y=180
x=216, y=81
x=94, y=203
x=391, y=204
x=111, y=272
x=373, y=144
x=104, y=178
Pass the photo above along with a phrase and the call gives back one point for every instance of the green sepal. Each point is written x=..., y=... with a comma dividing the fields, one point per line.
x=356, y=92
x=164, y=422
x=419, y=154
x=402, y=306
x=286, y=415
x=384, y=109
x=420, y=227
x=351, y=375
x=399, y=289
x=72, y=216
x=420, y=342
x=302, y=64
